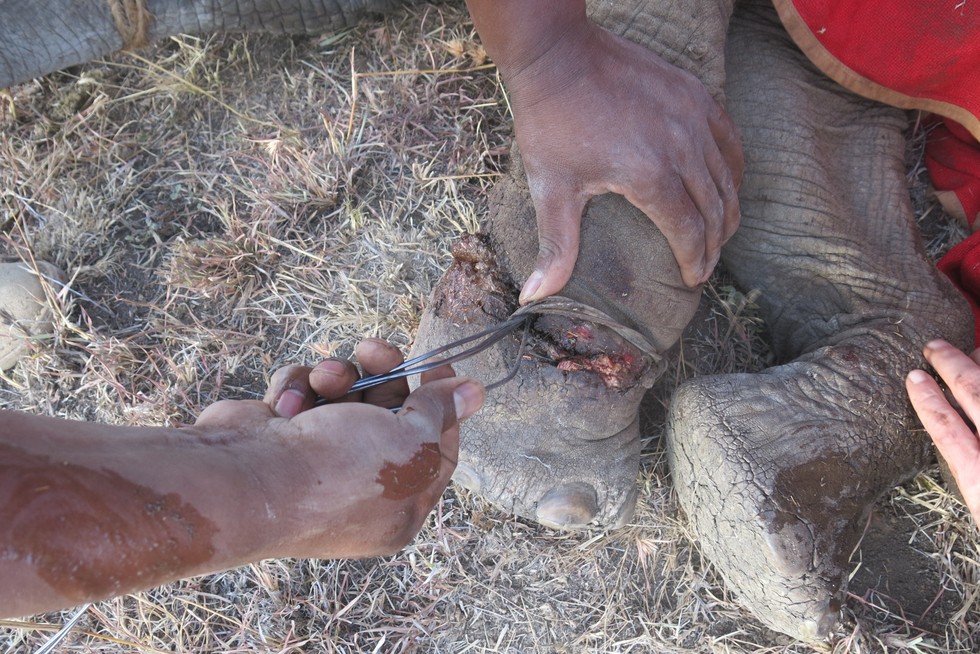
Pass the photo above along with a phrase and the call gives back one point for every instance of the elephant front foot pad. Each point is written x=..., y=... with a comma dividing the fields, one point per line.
x=778, y=471
x=559, y=443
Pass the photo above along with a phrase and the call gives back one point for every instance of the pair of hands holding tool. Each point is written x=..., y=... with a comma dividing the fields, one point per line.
x=80, y=503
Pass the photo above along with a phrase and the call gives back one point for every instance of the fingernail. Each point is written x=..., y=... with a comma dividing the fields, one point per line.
x=290, y=403
x=531, y=287
x=709, y=270
x=936, y=344
x=334, y=367
x=468, y=398
x=917, y=377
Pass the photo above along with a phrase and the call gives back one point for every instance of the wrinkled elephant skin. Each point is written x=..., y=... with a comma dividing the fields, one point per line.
x=776, y=471
x=40, y=37
x=798, y=453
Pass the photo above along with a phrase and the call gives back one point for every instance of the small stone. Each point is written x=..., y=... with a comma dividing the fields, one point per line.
x=24, y=311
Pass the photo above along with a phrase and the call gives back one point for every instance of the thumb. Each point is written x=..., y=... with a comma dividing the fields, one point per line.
x=442, y=404
x=559, y=218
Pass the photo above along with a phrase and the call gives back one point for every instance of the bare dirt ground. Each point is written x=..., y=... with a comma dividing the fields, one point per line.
x=228, y=204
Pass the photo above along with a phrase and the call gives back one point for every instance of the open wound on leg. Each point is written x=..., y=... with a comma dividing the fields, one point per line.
x=572, y=345
x=475, y=289
x=565, y=334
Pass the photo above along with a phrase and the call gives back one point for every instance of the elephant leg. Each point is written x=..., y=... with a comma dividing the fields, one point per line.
x=778, y=471
x=40, y=37
x=560, y=443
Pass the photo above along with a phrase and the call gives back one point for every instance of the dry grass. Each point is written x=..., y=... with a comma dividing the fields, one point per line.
x=229, y=204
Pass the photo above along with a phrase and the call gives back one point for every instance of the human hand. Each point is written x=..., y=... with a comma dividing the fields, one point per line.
x=350, y=479
x=954, y=438
x=596, y=113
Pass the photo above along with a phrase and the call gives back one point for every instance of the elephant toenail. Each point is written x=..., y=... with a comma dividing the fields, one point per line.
x=568, y=506
x=626, y=509
x=467, y=477
x=822, y=619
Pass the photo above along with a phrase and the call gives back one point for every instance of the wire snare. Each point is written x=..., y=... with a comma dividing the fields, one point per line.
x=429, y=361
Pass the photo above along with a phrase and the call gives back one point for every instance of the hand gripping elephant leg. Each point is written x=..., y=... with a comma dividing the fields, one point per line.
x=778, y=471
x=560, y=443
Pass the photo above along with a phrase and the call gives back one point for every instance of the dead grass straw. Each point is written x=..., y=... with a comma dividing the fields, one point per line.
x=229, y=204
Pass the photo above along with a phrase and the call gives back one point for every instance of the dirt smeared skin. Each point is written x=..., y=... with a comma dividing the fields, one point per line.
x=404, y=480
x=85, y=532
x=475, y=285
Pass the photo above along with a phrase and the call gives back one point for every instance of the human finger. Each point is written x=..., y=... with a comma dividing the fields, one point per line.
x=442, y=372
x=727, y=187
x=331, y=379
x=235, y=414
x=961, y=374
x=289, y=391
x=558, y=212
x=953, y=438
x=956, y=442
x=704, y=192
x=429, y=418
x=729, y=142
x=674, y=213
x=378, y=356
x=439, y=407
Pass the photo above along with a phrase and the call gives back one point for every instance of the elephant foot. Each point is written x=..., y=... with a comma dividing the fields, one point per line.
x=778, y=472
x=24, y=313
x=559, y=443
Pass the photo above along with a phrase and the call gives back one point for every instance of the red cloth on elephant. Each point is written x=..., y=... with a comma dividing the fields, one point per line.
x=962, y=265
x=953, y=160
x=912, y=54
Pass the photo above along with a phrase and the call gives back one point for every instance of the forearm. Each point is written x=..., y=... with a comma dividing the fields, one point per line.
x=516, y=33
x=689, y=34
x=90, y=511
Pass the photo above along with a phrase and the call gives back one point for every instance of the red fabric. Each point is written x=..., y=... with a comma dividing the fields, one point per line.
x=962, y=266
x=953, y=160
x=925, y=50
x=919, y=48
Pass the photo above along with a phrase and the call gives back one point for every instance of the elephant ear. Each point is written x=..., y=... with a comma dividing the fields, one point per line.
x=49, y=35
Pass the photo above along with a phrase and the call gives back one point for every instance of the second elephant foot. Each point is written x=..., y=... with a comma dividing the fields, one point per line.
x=778, y=471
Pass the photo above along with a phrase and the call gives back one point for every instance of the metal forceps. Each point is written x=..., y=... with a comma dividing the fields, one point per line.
x=430, y=361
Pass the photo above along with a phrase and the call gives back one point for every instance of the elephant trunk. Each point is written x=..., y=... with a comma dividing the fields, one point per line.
x=41, y=37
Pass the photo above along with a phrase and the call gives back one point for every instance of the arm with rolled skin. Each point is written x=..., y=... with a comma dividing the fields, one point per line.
x=596, y=113
x=90, y=511
x=956, y=440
